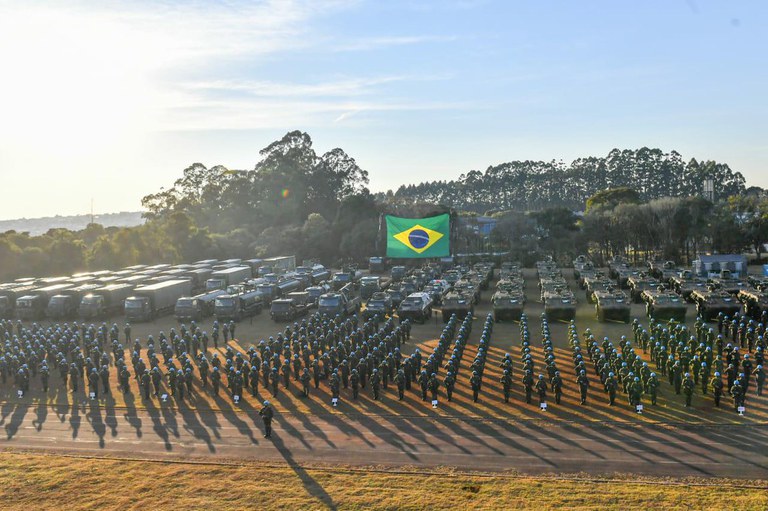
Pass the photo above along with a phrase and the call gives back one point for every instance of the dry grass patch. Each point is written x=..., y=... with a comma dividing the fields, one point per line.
x=60, y=482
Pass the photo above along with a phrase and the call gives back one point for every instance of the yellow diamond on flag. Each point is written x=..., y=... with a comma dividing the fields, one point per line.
x=418, y=238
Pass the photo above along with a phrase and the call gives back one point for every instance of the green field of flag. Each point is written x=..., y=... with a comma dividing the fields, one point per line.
x=418, y=237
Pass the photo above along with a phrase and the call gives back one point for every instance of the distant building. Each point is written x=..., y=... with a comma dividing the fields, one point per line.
x=706, y=264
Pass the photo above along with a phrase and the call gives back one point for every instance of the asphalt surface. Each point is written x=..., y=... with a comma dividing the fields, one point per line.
x=531, y=445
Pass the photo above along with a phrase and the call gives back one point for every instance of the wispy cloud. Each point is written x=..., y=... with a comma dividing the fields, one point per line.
x=258, y=88
x=375, y=43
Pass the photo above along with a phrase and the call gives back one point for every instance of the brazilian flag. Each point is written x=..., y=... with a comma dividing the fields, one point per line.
x=418, y=237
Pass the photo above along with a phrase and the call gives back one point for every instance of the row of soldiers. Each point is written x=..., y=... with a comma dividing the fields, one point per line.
x=478, y=364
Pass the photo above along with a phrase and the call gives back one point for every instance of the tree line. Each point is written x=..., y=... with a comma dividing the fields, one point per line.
x=296, y=201
x=535, y=185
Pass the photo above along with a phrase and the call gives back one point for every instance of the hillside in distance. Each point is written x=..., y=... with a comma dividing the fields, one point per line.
x=38, y=226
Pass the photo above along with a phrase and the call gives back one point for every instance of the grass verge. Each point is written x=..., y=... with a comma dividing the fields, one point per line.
x=49, y=481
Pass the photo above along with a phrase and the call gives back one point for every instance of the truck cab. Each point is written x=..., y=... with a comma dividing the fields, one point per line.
x=31, y=307
x=61, y=307
x=286, y=309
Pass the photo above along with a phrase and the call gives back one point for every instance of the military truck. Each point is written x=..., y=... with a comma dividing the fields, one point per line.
x=459, y=303
x=376, y=264
x=416, y=307
x=198, y=307
x=379, y=303
x=397, y=273
x=34, y=305
x=612, y=305
x=152, y=301
x=9, y=295
x=287, y=309
x=372, y=284
x=507, y=304
x=65, y=304
x=709, y=303
x=342, y=303
x=316, y=291
x=661, y=304
x=230, y=307
x=220, y=279
x=755, y=302
x=346, y=277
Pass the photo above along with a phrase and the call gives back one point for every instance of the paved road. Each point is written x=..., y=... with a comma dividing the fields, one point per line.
x=531, y=446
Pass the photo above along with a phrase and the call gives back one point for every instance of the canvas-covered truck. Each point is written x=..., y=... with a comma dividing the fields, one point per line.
x=104, y=301
x=155, y=300
x=33, y=306
x=8, y=297
x=220, y=279
x=66, y=304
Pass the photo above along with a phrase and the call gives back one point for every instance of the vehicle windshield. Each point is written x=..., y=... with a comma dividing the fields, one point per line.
x=280, y=307
x=341, y=277
x=376, y=304
x=92, y=299
x=225, y=302
x=57, y=300
x=416, y=302
x=330, y=301
x=185, y=302
x=134, y=303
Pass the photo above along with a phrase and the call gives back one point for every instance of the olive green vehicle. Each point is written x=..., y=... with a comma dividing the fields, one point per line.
x=598, y=283
x=455, y=302
x=560, y=304
x=685, y=283
x=581, y=263
x=664, y=305
x=639, y=283
x=709, y=303
x=755, y=302
x=508, y=304
x=612, y=305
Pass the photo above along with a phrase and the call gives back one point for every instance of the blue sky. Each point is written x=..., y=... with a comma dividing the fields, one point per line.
x=112, y=100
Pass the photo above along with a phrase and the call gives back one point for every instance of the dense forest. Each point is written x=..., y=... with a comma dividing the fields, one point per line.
x=296, y=201
x=534, y=185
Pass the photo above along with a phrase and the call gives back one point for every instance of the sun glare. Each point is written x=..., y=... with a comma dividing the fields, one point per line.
x=73, y=84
